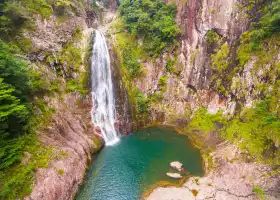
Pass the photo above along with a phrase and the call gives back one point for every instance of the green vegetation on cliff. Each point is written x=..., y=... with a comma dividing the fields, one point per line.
x=212, y=37
x=17, y=179
x=26, y=84
x=255, y=130
x=259, y=45
x=18, y=83
x=267, y=27
x=220, y=66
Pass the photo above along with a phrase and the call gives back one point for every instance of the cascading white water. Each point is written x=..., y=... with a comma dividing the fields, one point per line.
x=103, y=110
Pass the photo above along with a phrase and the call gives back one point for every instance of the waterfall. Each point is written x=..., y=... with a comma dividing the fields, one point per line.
x=103, y=110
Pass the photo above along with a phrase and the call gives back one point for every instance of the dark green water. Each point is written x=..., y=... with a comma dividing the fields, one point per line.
x=126, y=170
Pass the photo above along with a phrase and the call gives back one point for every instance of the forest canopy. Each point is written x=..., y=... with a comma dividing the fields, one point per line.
x=151, y=20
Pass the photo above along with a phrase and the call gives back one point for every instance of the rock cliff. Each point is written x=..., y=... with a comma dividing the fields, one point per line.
x=190, y=87
x=71, y=135
x=61, y=50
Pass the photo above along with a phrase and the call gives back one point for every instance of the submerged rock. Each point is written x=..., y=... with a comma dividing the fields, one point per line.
x=176, y=165
x=174, y=175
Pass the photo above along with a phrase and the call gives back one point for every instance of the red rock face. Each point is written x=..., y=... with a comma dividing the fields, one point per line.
x=113, y=5
x=191, y=13
x=123, y=125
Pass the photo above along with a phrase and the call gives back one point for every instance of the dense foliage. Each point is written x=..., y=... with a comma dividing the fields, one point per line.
x=269, y=23
x=151, y=20
x=265, y=26
x=130, y=60
x=15, y=86
x=15, y=181
x=145, y=30
x=212, y=37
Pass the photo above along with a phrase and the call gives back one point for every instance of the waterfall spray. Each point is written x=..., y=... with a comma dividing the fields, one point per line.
x=103, y=110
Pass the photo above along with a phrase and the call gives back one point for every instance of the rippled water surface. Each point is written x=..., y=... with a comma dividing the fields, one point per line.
x=124, y=171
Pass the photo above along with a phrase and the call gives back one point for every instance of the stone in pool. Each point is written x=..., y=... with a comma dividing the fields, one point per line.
x=174, y=175
x=176, y=165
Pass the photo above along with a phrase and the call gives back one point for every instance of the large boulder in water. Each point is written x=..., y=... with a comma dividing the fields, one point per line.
x=176, y=165
x=174, y=175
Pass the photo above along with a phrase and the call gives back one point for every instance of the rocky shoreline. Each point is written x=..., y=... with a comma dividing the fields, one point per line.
x=230, y=178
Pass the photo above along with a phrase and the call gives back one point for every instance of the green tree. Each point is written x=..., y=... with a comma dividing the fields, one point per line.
x=15, y=89
x=269, y=23
x=13, y=114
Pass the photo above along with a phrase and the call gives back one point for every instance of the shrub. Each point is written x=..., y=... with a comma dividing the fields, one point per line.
x=18, y=83
x=269, y=23
x=212, y=37
x=265, y=27
x=220, y=59
x=60, y=172
x=255, y=130
x=170, y=65
x=162, y=82
x=259, y=191
x=16, y=180
x=71, y=55
x=156, y=96
x=77, y=85
x=16, y=15
x=131, y=61
x=63, y=7
x=205, y=122
x=142, y=102
x=221, y=78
